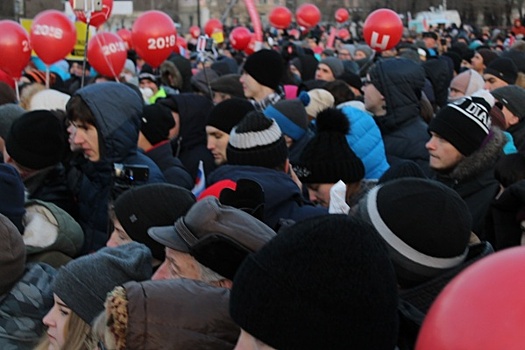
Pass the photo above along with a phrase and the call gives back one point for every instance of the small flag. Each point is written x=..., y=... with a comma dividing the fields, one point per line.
x=200, y=180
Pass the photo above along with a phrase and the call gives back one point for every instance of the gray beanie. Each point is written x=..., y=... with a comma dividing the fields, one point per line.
x=8, y=113
x=84, y=282
x=290, y=115
x=512, y=97
x=335, y=64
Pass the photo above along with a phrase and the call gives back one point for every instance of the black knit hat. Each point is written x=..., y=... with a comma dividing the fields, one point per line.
x=512, y=97
x=226, y=114
x=258, y=141
x=488, y=56
x=266, y=67
x=228, y=84
x=36, y=140
x=328, y=158
x=323, y=283
x=146, y=206
x=423, y=240
x=466, y=122
x=504, y=69
x=84, y=282
x=290, y=115
x=156, y=123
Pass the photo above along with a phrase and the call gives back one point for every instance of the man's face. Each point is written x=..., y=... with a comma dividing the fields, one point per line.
x=146, y=83
x=250, y=86
x=510, y=118
x=119, y=236
x=476, y=62
x=218, y=97
x=492, y=82
x=320, y=194
x=217, y=143
x=443, y=155
x=178, y=265
x=430, y=43
x=374, y=100
x=324, y=72
x=343, y=54
x=84, y=137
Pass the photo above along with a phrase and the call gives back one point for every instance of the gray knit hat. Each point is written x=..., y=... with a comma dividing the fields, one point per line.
x=84, y=282
x=290, y=115
x=8, y=114
x=335, y=65
x=228, y=84
x=512, y=97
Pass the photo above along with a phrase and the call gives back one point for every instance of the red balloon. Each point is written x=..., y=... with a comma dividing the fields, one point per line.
x=180, y=43
x=154, y=37
x=15, y=48
x=97, y=17
x=107, y=53
x=280, y=17
x=481, y=308
x=125, y=34
x=341, y=15
x=343, y=34
x=251, y=46
x=213, y=26
x=240, y=38
x=195, y=31
x=308, y=15
x=52, y=35
x=383, y=29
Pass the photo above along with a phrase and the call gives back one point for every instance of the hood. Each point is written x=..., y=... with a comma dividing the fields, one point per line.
x=193, y=112
x=439, y=72
x=118, y=111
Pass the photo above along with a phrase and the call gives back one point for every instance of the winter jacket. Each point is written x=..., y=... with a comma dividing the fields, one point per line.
x=171, y=167
x=283, y=199
x=518, y=134
x=117, y=110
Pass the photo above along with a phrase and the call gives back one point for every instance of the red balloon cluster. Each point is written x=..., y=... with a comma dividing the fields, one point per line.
x=280, y=17
x=15, y=48
x=308, y=15
x=97, y=18
x=341, y=15
x=52, y=35
x=107, y=53
x=154, y=37
x=240, y=38
x=125, y=34
x=383, y=29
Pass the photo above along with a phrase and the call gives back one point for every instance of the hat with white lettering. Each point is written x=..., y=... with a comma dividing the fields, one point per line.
x=465, y=123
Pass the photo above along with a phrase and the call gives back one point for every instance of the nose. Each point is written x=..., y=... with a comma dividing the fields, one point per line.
x=47, y=320
x=430, y=145
x=210, y=144
x=312, y=196
x=161, y=273
x=486, y=86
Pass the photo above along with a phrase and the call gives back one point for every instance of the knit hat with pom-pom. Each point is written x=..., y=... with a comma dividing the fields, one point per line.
x=328, y=158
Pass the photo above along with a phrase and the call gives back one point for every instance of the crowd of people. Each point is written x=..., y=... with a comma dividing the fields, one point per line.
x=309, y=195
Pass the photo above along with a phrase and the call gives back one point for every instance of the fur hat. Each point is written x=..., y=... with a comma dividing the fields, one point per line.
x=423, y=240
x=156, y=122
x=328, y=158
x=226, y=114
x=258, y=141
x=266, y=67
x=512, y=97
x=290, y=115
x=218, y=236
x=12, y=254
x=49, y=99
x=228, y=84
x=36, y=140
x=504, y=69
x=83, y=283
x=468, y=82
x=142, y=207
x=331, y=270
x=335, y=65
x=319, y=99
x=466, y=122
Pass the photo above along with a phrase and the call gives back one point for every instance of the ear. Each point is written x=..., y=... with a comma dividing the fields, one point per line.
x=513, y=120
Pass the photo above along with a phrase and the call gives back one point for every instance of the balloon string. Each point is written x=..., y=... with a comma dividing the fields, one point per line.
x=88, y=20
x=17, y=90
x=47, y=76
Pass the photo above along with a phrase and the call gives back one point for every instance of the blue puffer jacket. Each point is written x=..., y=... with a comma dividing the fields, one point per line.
x=117, y=110
x=366, y=141
x=282, y=196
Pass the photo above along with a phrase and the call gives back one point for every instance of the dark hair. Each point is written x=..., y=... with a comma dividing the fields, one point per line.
x=340, y=90
x=78, y=111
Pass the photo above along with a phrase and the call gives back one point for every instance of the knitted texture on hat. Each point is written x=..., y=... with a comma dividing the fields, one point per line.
x=328, y=158
x=465, y=123
x=266, y=67
x=504, y=69
x=12, y=254
x=488, y=56
x=423, y=240
x=335, y=65
x=36, y=140
x=468, y=82
x=228, y=84
x=332, y=269
x=512, y=97
x=226, y=114
x=13, y=195
x=291, y=117
x=8, y=114
x=84, y=282
x=145, y=206
x=319, y=99
x=156, y=123
x=257, y=141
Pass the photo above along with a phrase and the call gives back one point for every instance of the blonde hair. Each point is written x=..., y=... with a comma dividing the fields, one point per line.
x=77, y=334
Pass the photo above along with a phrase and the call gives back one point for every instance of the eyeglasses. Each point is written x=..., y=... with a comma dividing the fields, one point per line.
x=366, y=81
